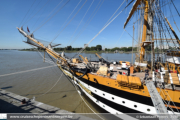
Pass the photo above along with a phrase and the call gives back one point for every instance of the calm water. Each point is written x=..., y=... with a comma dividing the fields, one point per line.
x=37, y=82
x=107, y=56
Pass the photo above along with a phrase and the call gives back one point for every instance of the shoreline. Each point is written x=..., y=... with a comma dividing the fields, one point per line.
x=84, y=51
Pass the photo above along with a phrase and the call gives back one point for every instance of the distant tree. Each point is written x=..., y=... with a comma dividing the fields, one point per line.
x=114, y=49
x=99, y=47
x=129, y=49
x=134, y=48
x=77, y=49
x=69, y=48
x=124, y=49
x=93, y=48
x=88, y=49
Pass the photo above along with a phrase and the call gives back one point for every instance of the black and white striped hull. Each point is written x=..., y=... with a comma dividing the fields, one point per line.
x=113, y=102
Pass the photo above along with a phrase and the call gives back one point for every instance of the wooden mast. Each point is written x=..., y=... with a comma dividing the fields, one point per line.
x=138, y=2
x=142, y=53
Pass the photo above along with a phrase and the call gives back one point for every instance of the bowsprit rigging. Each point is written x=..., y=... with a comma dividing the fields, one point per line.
x=120, y=87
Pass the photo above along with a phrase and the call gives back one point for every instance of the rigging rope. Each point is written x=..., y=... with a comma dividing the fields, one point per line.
x=69, y=21
x=130, y=35
x=78, y=93
x=33, y=10
x=81, y=21
x=175, y=7
x=52, y=11
x=51, y=16
x=115, y=12
x=110, y=19
x=38, y=18
x=161, y=16
x=71, y=14
x=173, y=18
x=103, y=29
x=119, y=38
x=75, y=88
x=36, y=12
x=73, y=85
x=27, y=12
x=88, y=21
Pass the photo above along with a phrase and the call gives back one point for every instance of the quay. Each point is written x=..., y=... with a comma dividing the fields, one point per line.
x=11, y=103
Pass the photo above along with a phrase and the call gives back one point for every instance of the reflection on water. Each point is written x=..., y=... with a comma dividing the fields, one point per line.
x=36, y=83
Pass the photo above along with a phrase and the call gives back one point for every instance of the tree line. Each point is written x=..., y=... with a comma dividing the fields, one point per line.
x=124, y=49
x=96, y=48
x=70, y=48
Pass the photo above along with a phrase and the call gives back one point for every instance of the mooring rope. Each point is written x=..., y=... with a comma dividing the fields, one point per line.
x=76, y=90
x=26, y=71
x=52, y=86
x=86, y=103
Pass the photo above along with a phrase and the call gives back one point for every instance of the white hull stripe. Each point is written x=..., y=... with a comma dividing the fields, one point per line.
x=118, y=100
x=106, y=107
x=121, y=101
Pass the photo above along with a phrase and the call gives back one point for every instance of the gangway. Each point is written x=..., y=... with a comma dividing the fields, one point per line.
x=158, y=103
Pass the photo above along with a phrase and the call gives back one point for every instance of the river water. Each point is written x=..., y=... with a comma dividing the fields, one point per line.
x=37, y=82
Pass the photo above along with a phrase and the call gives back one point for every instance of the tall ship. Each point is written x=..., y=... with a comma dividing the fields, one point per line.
x=121, y=87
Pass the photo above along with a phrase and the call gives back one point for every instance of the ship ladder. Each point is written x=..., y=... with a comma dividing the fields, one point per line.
x=158, y=103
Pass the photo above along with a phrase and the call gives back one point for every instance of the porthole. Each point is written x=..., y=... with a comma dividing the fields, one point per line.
x=148, y=110
x=95, y=91
x=113, y=98
x=103, y=106
x=103, y=94
x=123, y=101
x=143, y=92
x=135, y=106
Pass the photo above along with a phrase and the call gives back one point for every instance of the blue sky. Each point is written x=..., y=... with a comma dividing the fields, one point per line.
x=13, y=14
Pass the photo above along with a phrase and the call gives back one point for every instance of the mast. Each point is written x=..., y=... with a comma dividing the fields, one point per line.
x=147, y=26
x=132, y=45
x=142, y=53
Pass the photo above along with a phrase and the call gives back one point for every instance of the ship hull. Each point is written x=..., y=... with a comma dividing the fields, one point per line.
x=113, y=101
